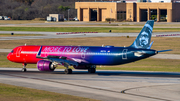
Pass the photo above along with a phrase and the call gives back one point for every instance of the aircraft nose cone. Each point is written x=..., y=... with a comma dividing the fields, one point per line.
x=9, y=56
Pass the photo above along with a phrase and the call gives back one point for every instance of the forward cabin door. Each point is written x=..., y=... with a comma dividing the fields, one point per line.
x=18, y=52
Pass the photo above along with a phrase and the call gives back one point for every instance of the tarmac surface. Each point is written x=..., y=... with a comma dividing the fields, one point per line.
x=103, y=85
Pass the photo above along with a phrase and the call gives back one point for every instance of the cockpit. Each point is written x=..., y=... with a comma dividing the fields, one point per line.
x=12, y=51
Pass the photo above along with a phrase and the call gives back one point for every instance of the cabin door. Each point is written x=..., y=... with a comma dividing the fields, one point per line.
x=124, y=54
x=18, y=52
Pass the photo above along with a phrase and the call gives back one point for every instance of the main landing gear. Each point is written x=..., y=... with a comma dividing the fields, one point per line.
x=67, y=70
x=92, y=69
x=24, y=67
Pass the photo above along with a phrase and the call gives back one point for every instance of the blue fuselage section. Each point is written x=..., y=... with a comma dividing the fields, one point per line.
x=115, y=55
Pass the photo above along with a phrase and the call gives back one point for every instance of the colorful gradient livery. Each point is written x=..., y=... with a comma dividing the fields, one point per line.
x=85, y=57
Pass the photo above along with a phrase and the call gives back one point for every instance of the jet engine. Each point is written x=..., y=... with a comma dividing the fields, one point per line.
x=44, y=65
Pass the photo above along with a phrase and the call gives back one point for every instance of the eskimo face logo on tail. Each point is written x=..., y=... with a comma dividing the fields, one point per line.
x=144, y=38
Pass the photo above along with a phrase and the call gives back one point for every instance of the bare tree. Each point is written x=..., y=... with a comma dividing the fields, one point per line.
x=30, y=9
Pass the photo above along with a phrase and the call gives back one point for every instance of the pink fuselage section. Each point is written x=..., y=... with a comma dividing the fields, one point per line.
x=27, y=54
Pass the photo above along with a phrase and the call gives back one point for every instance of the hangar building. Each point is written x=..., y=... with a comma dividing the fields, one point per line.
x=131, y=10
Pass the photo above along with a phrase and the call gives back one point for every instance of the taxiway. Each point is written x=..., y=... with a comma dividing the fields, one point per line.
x=103, y=85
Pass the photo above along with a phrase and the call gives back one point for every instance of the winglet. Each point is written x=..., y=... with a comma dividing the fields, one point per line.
x=144, y=38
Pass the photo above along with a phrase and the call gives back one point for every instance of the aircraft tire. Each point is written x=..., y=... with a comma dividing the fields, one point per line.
x=24, y=70
x=92, y=70
x=68, y=71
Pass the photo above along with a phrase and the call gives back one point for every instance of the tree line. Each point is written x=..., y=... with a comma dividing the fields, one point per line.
x=31, y=9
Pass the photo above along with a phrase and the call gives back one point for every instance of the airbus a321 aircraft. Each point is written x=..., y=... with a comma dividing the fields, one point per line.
x=85, y=57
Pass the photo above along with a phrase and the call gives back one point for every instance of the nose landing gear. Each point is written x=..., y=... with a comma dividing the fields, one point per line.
x=24, y=67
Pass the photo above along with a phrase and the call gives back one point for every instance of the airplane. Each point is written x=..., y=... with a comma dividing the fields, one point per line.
x=48, y=58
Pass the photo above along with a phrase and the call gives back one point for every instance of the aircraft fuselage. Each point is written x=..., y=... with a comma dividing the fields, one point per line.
x=108, y=55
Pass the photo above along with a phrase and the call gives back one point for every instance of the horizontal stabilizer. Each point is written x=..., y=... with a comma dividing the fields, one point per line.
x=139, y=53
x=164, y=50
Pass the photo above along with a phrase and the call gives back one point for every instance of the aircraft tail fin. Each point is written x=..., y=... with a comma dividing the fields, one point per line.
x=144, y=38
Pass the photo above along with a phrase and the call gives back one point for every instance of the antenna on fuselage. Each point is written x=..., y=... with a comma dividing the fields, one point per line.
x=25, y=44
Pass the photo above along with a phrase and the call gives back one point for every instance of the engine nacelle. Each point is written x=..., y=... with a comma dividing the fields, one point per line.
x=44, y=65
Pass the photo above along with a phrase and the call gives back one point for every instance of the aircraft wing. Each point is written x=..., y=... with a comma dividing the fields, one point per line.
x=61, y=59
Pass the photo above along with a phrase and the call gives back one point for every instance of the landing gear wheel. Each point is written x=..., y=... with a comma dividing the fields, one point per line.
x=68, y=71
x=24, y=70
x=24, y=67
x=91, y=70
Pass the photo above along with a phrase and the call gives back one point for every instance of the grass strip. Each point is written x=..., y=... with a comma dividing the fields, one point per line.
x=19, y=21
x=85, y=29
x=15, y=93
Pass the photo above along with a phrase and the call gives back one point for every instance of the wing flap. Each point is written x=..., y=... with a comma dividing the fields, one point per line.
x=60, y=60
x=64, y=61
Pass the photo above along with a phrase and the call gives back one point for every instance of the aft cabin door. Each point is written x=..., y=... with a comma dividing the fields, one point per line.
x=124, y=54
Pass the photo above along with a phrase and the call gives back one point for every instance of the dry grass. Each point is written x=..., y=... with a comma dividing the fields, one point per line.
x=160, y=43
x=84, y=29
x=15, y=93
x=19, y=21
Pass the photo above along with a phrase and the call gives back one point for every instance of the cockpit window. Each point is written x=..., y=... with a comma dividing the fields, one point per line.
x=12, y=51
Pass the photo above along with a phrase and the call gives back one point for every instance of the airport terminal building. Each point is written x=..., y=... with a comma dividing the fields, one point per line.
x=131, y=10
